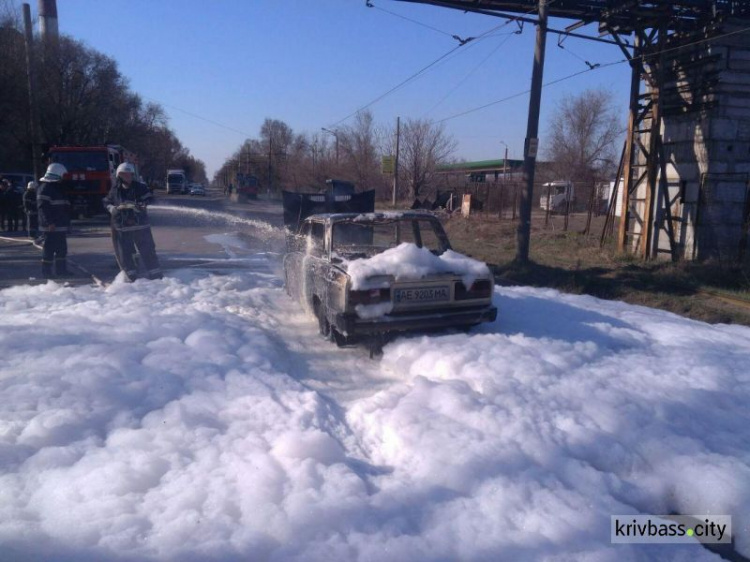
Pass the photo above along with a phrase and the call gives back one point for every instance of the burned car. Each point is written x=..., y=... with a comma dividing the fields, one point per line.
x=374, y=274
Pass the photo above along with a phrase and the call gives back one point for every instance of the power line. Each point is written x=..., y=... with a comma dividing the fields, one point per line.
x=424, y=69
x=397, y=86
x=467, y=76
x=592, y=68
x=479, y=108
x=587, y=63
x=196, y=116
x=519, y=94
x=421, y=24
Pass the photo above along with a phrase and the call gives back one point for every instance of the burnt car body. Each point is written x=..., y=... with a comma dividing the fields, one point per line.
x=327, y=248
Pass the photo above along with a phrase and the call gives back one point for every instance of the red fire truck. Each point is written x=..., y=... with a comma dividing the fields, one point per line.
x=247, y=185
x=91, y=173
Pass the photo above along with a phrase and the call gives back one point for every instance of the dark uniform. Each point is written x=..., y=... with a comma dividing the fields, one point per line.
x=4, y=187
x=54, y=220
x=131, y=229
x=13, y=205
x=30, y=208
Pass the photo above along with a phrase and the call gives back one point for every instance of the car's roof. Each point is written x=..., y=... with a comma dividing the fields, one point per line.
x=380, y=216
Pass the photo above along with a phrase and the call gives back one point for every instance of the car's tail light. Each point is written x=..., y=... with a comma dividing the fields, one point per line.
x=480, y=289
x=369, y=296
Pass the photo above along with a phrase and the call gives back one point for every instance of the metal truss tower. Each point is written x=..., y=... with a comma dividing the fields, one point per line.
x=676, y=201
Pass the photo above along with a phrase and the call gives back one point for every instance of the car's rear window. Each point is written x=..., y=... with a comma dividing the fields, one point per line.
x=364, y=238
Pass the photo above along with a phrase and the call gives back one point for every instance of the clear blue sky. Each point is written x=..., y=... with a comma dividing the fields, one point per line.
x=311, y=63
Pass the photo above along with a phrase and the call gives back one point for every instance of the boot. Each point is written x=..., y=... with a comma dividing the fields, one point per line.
x=61, y=267
x=47, y=270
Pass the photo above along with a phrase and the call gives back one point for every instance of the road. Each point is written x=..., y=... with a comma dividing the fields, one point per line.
x=207, y=232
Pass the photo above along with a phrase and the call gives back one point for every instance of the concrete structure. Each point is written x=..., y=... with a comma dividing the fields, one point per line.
x=48, y=21
x=705, y=130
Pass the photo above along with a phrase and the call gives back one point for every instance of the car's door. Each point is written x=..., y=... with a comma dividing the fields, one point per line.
x=296, y=245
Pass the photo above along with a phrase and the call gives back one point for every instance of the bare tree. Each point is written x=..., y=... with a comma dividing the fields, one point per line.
x=424, y=147
x=583, y=132
x=359, y=147
x=15, y=142
x=276, y=138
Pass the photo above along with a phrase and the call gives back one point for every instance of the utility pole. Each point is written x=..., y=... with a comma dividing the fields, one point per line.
x=532, y=141
x=336, y=135
x=36, y=153
x=314, y=155
x=270, y=153
x=505, y=163
x=395, y=170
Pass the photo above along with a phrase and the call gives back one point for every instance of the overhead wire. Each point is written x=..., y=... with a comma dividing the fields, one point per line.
x=369, y=4
x=424, y=69
x=590, y=69
x=196, y=116
x=587, y=63
x=524, y=92
x=468, y=75
x=484, y=106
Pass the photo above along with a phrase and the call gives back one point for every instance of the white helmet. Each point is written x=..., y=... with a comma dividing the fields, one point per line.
x=55, y=172
x=125, y=167
x=31, y=185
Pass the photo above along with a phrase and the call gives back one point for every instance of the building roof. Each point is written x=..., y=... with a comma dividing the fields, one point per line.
x=481, y=166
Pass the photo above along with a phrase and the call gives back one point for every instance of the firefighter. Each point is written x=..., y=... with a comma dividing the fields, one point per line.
x=4, y=204
x=13, y=205
x=29, y=207
x=126, y=202
x=54, y=220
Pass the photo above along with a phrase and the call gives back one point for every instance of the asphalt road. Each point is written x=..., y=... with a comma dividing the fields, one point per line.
x=189, y=232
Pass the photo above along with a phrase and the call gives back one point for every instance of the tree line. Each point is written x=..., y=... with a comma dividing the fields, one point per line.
x=281, y=159
x=580, y=147
x=83, y=100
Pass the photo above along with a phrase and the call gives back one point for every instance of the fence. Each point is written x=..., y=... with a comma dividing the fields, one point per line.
x=501, y=199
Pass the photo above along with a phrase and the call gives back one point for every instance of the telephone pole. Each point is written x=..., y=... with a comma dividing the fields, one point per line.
x=532, y=141
x=505, y=162
x=395, y=164
x=336, y=135
x=36, y=153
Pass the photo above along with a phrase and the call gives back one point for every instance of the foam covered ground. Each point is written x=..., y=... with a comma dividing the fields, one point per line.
x=201, y=418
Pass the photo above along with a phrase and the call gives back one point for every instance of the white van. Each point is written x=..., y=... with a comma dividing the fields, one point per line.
x=557, y=196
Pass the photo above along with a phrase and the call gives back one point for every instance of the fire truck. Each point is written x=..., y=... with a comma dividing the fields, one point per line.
x=91, y=173
x=247, y=185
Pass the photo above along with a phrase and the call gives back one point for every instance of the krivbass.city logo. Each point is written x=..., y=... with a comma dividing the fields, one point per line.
x=665, y=529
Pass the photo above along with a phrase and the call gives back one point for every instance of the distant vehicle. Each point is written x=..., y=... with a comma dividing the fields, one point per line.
x=318, y=271
x=247, y=185
x=197, y=189
x=177, y=181
x=18, y=179
x=557, y=196
x=91, y=173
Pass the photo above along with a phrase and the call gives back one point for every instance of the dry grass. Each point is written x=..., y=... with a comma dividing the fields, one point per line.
x=574, y=263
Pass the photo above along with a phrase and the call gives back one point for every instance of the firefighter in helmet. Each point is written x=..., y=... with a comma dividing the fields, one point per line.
x=30, y=208
x=54, y=220
x=131, y=231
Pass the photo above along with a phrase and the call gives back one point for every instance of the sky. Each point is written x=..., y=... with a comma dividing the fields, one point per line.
x=220, y=68
x=201, y=417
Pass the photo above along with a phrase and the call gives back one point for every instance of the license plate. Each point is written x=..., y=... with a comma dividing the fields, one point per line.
x=422, y=294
